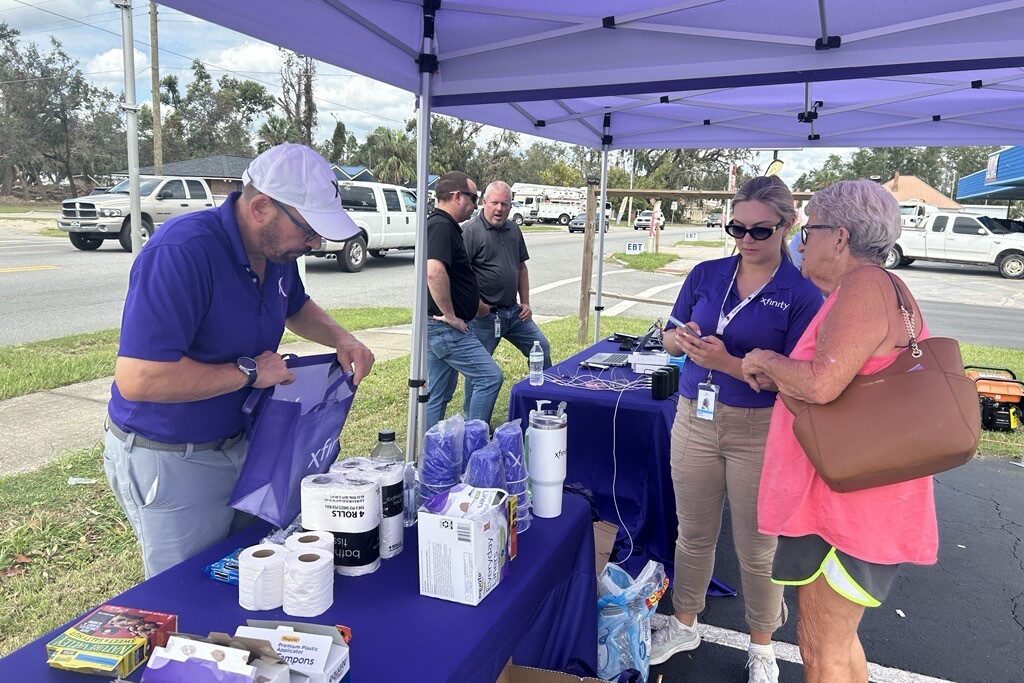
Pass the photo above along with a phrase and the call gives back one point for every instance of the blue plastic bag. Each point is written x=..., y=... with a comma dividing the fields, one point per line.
x=624, y=609
x=293, y=432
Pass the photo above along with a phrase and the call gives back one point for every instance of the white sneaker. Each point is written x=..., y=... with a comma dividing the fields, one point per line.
x=762, y=668
x=672, y=637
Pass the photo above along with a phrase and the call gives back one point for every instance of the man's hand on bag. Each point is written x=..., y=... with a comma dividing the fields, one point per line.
x=457, y=323
x=271, y=370
x=355, y=357
x=525, y=312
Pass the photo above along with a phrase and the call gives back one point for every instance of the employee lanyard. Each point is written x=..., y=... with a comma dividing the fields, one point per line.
x=725, y=318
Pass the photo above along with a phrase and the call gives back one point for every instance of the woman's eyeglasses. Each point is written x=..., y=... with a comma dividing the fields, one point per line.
x=759, y=233
x=806, y=230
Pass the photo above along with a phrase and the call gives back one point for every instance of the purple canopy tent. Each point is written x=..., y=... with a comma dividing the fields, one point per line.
x=623, y=74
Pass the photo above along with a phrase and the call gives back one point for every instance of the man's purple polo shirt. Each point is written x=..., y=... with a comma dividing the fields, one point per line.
x=192, y=293
x=774, y=320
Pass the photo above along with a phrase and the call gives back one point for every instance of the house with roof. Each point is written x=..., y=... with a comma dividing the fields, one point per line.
x=353, y=173
x=910, y=188
x=222, y=172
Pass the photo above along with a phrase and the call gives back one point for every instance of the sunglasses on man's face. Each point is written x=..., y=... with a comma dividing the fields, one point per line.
x=472, y=196
x=308, y=233
x=759, y=233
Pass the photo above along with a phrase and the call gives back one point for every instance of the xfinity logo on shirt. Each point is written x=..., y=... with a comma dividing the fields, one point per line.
x=280, y=286
x=777, y=304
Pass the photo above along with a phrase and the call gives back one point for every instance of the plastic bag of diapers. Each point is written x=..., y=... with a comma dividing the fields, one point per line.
x=624, y=609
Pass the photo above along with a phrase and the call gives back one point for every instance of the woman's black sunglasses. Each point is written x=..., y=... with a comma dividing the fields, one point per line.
x=759, y=233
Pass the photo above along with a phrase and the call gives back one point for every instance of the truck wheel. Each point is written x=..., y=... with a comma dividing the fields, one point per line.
x=352, y=257
x=378, y=253
x=1012, y=266
x=906, y=261
x=84, y=242
x=564, y=219
x=125, y=236
x=518, y=219
x=893, y=259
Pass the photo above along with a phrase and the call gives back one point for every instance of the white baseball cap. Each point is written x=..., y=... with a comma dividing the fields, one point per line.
x=299, y=177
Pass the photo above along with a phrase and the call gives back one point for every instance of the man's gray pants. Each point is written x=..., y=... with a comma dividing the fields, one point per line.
x=177, y=503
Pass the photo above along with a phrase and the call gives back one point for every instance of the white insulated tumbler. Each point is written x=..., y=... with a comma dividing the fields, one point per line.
x=546, y=459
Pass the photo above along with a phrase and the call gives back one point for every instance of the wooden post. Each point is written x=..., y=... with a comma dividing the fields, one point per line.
x=588, y=266
x=655, y=224
x=154, y=75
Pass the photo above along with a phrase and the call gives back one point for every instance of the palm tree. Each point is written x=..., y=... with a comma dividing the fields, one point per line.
x=274, y=131
x=396, y=155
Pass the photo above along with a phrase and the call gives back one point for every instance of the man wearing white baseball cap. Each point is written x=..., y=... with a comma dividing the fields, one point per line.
x=208, y=300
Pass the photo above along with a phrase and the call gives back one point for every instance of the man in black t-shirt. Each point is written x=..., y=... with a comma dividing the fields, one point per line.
x=453, y=297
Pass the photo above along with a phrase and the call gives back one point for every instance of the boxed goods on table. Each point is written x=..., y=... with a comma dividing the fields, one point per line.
x=216, y=659
x=315, y=653
x=110, y=640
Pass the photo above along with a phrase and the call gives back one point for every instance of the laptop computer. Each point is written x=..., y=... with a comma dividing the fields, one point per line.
x=606, y=360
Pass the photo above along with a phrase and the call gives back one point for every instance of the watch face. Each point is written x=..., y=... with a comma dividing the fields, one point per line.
x=247, y=364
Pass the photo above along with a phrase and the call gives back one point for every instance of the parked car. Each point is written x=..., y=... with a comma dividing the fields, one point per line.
x=962, y=238
x=92, y=219
x=714, y=220
x=579, y=223
x=520, y=214
x=99, y=190
x=386, y=216
x=643, y=220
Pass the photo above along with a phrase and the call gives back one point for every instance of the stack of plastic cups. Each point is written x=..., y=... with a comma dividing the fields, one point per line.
x=509, y=437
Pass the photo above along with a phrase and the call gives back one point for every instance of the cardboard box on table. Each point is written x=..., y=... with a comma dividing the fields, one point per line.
x=218, y=658
x=526, y=674
x=316, y=653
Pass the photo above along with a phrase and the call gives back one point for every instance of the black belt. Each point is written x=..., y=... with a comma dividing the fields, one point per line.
x=216, y=445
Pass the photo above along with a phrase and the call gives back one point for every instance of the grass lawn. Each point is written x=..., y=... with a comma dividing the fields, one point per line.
x=645, y=261
x=19, y=206
x=540, y=228
x=700, y=243
x=52, y=232
x=1005, y=444
x=37, y=366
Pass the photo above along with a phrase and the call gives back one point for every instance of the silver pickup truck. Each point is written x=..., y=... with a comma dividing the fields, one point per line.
x=962, y=238
x=92, y=219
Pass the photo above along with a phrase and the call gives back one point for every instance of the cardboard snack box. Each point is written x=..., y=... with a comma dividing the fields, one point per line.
x=110, y=640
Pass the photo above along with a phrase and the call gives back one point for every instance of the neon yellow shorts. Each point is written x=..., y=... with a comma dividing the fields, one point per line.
x=802, y=559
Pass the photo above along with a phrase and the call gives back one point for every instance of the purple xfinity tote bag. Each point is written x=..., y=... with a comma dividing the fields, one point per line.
x=293, y=432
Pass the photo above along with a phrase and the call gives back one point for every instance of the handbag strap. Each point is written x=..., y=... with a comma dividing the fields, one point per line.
x=908, y=317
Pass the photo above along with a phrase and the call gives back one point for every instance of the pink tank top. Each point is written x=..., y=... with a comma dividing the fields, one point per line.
x=885, y=525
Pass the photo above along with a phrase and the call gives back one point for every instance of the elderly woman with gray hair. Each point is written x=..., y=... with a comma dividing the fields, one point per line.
x=841, y=550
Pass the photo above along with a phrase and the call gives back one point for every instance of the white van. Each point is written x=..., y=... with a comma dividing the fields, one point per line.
x=386, y=216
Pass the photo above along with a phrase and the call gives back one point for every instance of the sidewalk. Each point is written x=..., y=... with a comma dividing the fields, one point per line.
x=36, y=428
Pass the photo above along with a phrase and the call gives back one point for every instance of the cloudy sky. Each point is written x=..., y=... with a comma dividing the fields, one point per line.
x=90, y=30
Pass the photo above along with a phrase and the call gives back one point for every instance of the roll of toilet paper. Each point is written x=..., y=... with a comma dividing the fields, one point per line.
x=392, y=494
x=308, y=582
x=351, y=464
x=261, y=571
x=349, y=506
x=303, y=540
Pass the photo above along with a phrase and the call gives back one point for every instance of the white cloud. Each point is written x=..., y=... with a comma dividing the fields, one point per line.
x=107, y=68
x=263, y=60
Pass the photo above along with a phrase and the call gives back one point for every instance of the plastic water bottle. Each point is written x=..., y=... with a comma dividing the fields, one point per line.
x=386, y=448
x=536, y=365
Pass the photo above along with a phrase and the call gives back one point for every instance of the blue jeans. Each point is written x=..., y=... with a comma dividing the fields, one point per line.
x=176, y=503
x=450, y=352
x=521, y=333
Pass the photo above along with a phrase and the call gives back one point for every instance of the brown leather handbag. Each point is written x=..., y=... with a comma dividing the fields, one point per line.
x=917, y=417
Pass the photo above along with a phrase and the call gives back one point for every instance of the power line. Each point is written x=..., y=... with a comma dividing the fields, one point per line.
x=178, y=54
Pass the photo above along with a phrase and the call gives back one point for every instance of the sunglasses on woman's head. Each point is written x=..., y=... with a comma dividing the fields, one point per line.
x=759, y=233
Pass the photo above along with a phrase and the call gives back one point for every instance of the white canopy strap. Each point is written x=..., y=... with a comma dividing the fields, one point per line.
x=418, y=389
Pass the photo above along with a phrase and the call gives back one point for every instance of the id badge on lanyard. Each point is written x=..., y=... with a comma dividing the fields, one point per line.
x=707, y=399
x=497, y=325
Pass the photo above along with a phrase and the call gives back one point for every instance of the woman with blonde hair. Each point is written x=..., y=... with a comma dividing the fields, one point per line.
x=726, y=308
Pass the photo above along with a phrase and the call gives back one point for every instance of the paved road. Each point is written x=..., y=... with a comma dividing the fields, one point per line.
x=49, y=289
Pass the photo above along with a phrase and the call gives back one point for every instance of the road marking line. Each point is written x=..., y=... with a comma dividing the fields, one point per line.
x=788, y=652
x=620, y=308
x=26, y=269
x=569, y=281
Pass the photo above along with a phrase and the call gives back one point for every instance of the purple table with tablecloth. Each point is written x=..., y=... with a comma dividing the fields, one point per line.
x=642, y=479
x=543, y=614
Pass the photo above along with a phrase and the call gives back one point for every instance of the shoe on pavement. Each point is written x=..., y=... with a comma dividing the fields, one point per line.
x=762, y=668
x=674, y=636
x=660, y=621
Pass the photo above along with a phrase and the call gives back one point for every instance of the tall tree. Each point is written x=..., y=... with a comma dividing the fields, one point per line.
x=298, y=74
x=274, y=131
x=391, y=155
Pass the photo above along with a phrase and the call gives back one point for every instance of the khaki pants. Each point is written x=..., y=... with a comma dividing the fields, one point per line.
x=709, y=460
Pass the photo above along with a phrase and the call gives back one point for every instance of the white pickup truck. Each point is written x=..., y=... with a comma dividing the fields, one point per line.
x=962, y=238
x=92, y=219
x=386, y=216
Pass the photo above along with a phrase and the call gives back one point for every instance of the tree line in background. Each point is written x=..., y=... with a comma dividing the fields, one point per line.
x=61, y=134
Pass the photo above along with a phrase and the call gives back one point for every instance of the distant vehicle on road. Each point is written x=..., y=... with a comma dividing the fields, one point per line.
x=961, y=238
x=714, y=220
x=519, y=214
x=386, y=216
x=92, y=219
x=579, y=223
x=549, y=203
x=643, y=220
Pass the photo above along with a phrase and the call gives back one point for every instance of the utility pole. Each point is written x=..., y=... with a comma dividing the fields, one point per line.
x=154, y=71
x=632, y=174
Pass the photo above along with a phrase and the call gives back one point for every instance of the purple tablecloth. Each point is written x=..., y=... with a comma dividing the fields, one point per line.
x=542, y=615
x=642, y=479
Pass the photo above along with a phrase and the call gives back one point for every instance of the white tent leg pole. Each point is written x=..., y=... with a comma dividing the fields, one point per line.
x=417, y=366
x=131, y=112
x=598, y=307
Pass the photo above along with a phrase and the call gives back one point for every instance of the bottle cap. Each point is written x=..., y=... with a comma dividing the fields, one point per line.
x=386, y=435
